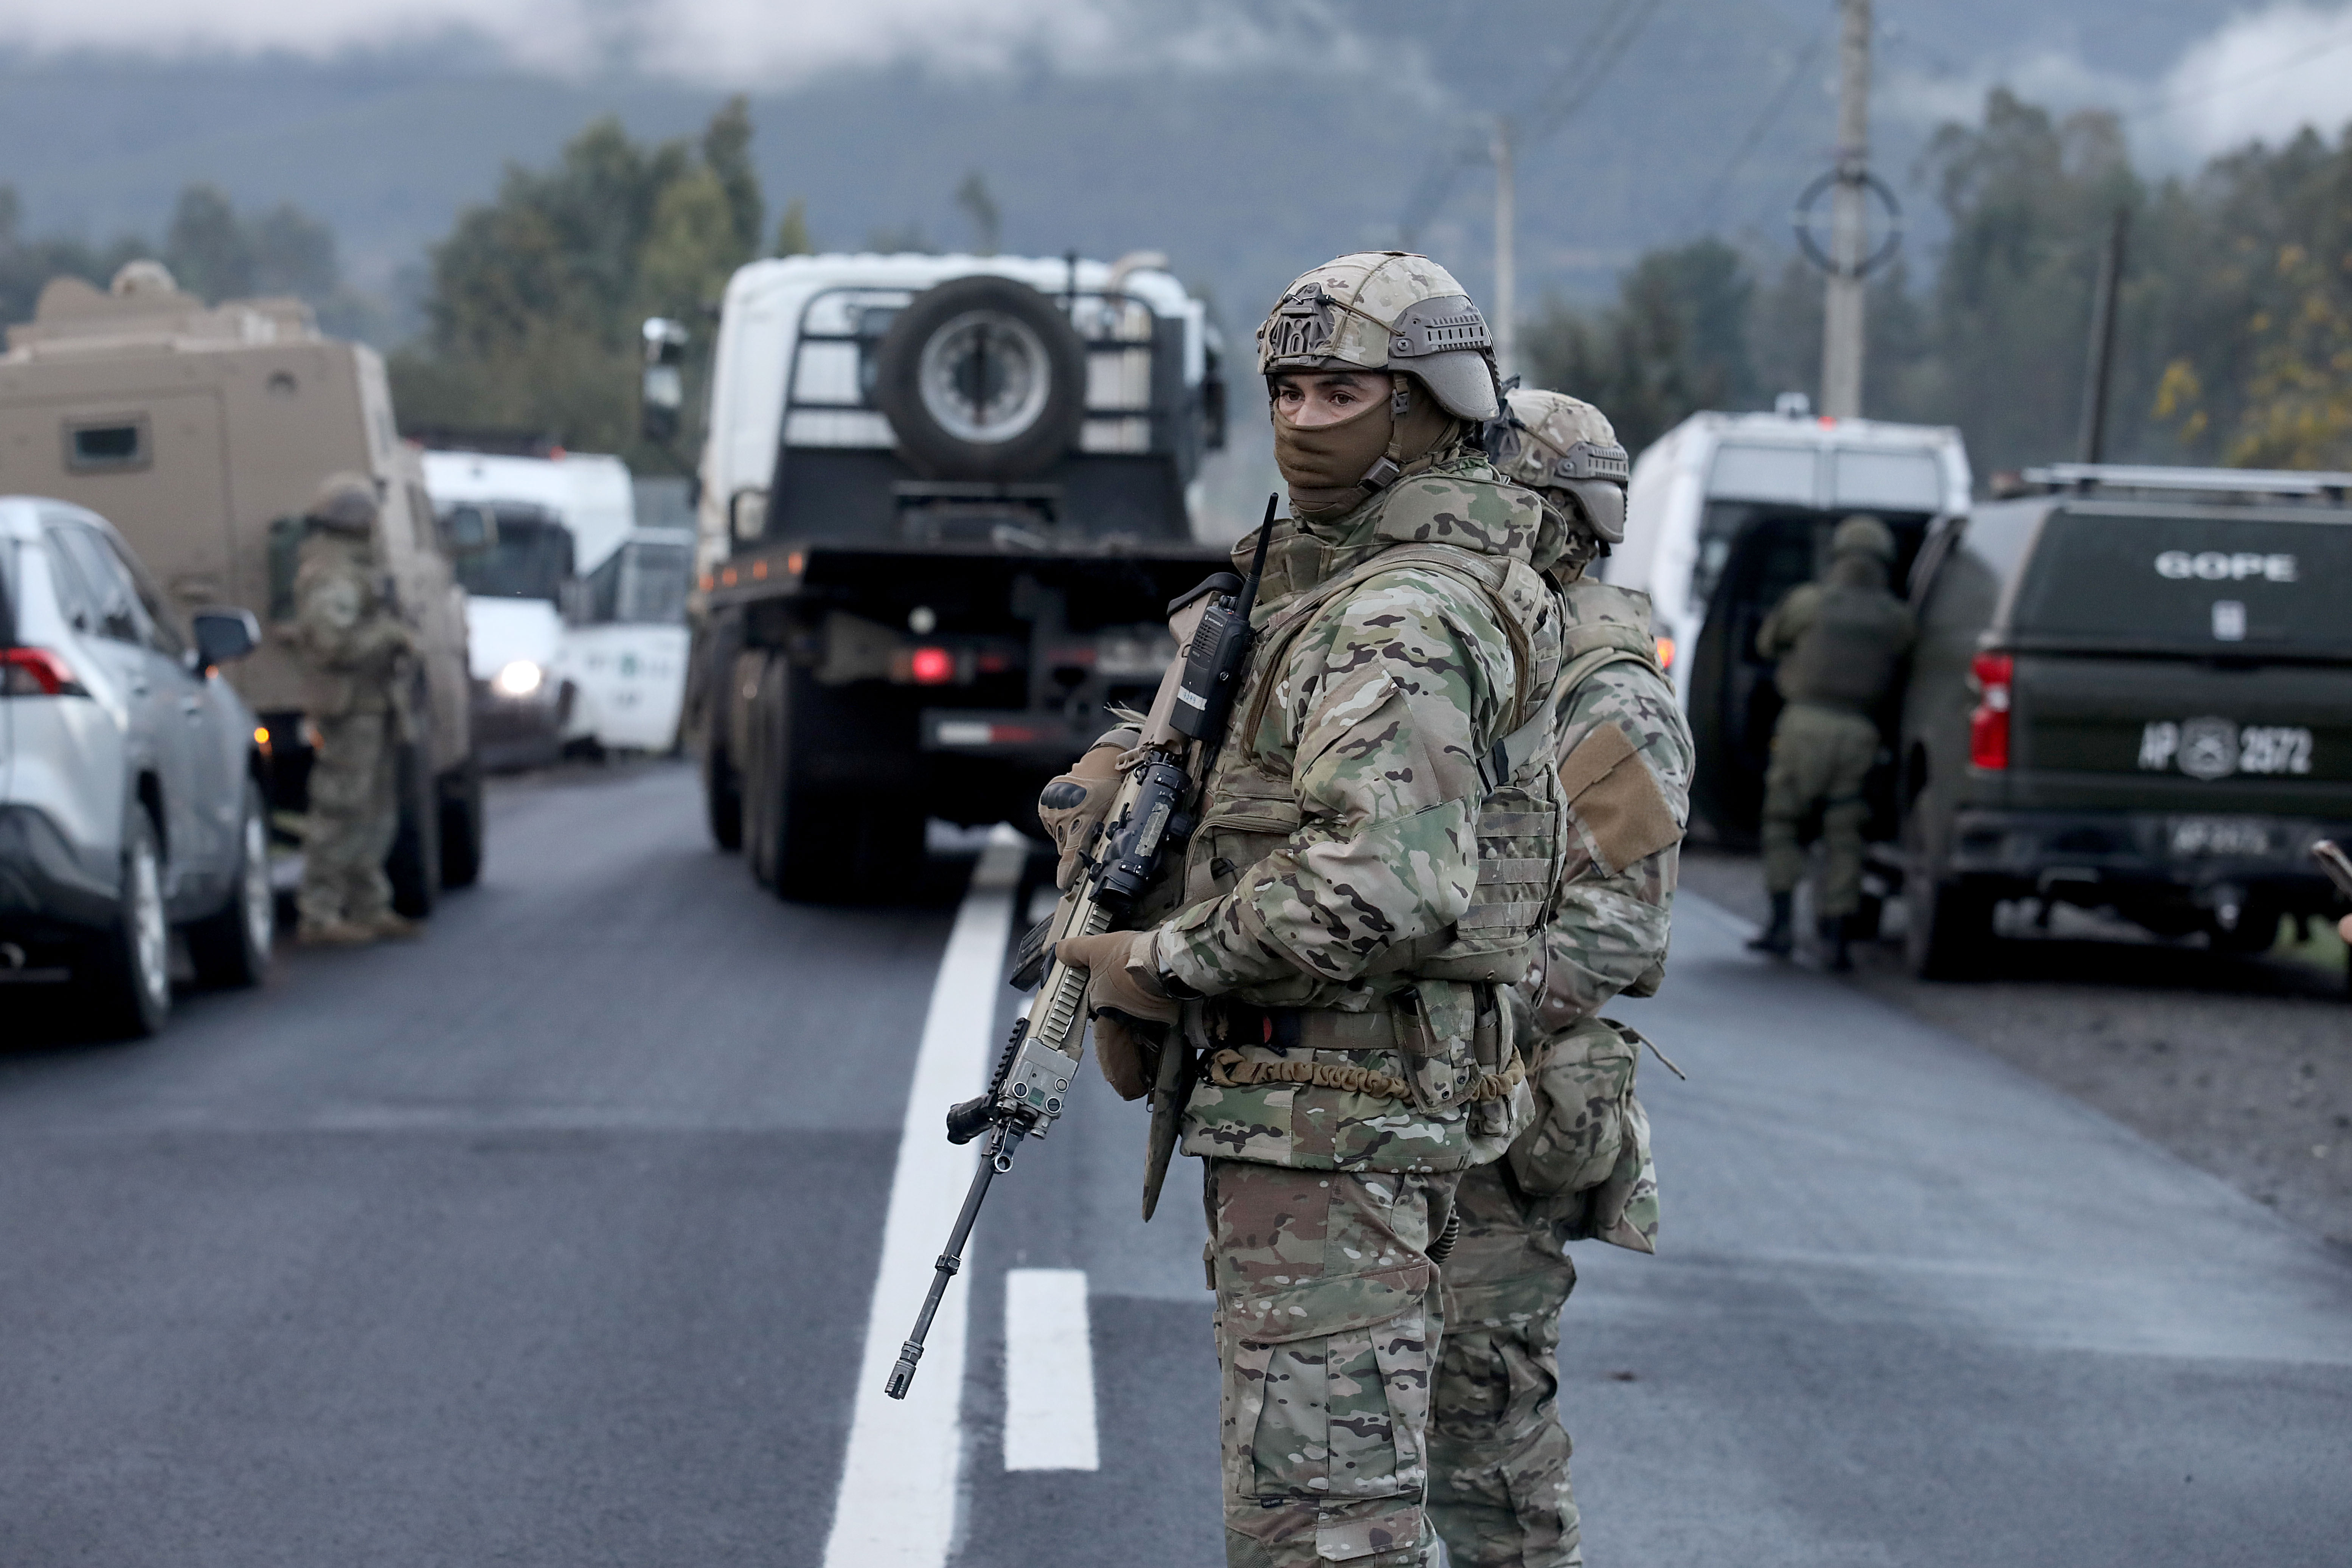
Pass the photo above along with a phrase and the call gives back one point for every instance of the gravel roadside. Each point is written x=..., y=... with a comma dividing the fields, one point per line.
x=2241, y=1065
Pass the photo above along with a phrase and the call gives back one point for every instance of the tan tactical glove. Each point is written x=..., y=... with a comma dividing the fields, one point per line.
x=1126, y=1002
x=1075, y=804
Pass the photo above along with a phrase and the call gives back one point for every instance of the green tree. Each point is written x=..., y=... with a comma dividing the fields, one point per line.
x=2029, y=201
x=978, y=204
x=792, y=230
x=207, y=248
x=535, y=298
x=1675, y=341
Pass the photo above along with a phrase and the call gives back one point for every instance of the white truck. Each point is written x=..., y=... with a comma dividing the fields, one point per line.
x=544, y=677
x=1726, y=512
x=942, y=508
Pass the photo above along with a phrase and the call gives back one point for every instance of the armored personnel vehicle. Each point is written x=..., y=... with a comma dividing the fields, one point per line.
x=2132, y=691
x=201, y=433
x=943, y=510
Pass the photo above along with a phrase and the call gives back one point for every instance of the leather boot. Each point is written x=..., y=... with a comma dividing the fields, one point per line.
x=1778, y=937
x=1834, y=944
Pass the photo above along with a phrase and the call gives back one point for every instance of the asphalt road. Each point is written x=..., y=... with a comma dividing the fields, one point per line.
x=553, y=1238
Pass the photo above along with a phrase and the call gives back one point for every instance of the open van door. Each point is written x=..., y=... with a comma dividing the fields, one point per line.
x=1726, y=514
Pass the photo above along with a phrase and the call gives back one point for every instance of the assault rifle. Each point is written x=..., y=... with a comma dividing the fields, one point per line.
x=1150, y=816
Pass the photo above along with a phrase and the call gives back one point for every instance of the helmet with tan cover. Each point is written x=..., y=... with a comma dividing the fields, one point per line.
x=1563, y=446
x=1385, y=310
x=346, y=503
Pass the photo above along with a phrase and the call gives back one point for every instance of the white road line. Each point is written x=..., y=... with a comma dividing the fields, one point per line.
x=1049, y=1372
x=897, y=1507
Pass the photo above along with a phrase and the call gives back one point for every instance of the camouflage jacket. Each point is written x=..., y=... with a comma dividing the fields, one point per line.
x=1625, y=760
x=1609, y=935
x=1339, y=852
x=345, y=626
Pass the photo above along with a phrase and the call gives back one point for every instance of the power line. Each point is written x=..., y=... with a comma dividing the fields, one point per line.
x=2217, y=88
x=1604, y=44
x=1764, y=121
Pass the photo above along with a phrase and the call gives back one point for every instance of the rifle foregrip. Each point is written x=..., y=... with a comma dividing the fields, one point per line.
x=968, y=1119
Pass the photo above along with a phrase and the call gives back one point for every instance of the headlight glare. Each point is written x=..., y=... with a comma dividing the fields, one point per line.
x=519, y=678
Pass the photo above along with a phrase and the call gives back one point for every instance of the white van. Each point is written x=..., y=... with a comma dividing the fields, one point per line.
x=556, y=519
x=1727, y=513
x=625, y=653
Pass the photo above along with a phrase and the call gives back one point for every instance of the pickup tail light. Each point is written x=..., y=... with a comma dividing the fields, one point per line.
x=36, y=672
x=931, y=667
x=1992, y=674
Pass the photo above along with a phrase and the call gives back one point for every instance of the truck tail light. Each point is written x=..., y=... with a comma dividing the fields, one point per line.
x=931, y=667
x=36, y=672
x=1992, y=674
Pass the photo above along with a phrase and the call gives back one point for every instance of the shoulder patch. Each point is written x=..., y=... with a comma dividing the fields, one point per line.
x=1615, y=801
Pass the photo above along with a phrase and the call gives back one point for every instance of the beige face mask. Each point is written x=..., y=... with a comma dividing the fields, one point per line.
x=1326, y=465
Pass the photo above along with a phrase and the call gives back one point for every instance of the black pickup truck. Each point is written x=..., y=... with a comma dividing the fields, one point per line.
x=943, y=508
x=2133, y=692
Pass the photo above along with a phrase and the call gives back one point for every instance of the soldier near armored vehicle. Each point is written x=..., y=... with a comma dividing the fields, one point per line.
x=1499, y=1490
x=1376, y=842
x=1841, y=644
x=357, y=650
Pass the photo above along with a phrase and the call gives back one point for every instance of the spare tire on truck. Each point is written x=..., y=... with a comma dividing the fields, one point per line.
x=981, y=378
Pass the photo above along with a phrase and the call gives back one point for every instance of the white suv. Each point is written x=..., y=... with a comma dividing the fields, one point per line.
x=131, y=800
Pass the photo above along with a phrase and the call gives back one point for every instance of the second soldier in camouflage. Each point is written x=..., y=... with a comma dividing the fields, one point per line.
x=1499, y=1487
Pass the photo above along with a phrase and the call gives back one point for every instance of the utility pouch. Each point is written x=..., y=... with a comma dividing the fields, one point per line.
x=1586, y=1157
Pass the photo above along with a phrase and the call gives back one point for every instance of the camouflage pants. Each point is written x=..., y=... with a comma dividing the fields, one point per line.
x=354, y=814
x=1819, y=758
x=1328, y=1320
x=1497, y=1458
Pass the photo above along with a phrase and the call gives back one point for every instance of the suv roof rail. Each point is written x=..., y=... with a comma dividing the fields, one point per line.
x=2314, y=484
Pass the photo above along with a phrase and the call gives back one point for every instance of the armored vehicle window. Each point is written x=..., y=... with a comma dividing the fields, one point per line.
x=531, y=560
x=2190, y=580
x=420, y=517
x=285, y=557
x=93, y=446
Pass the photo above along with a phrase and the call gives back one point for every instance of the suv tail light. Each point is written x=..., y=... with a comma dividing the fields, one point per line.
x=1990, y=673
x=36, y=672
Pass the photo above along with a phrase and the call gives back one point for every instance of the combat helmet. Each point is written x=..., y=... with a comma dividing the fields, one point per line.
x=1385, y=310
x=346, y=503
x=1862, y=534
x=1566, y=447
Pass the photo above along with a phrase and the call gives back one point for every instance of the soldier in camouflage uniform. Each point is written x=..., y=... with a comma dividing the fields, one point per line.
x=1378, y=841
x=356, y=649
x=1499, y=1489
x=1841, y=644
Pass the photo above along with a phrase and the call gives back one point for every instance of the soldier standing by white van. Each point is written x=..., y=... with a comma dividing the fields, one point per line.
x=357, y=650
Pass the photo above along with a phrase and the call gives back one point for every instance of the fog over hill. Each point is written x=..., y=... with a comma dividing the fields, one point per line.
x=1246, y=141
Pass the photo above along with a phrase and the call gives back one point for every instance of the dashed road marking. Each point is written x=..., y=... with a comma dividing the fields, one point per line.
x=897, y=1506
x=1049, y=1372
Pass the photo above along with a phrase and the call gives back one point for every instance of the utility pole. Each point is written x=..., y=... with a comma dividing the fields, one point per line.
x=2092, y=446
x=1842, y=322
x=1507, y=271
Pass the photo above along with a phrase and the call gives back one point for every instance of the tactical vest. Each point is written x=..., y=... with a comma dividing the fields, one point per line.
x=1250, y=807
x=1847, y=657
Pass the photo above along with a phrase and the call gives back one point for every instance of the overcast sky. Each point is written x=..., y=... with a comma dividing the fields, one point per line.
x=2262, y=70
